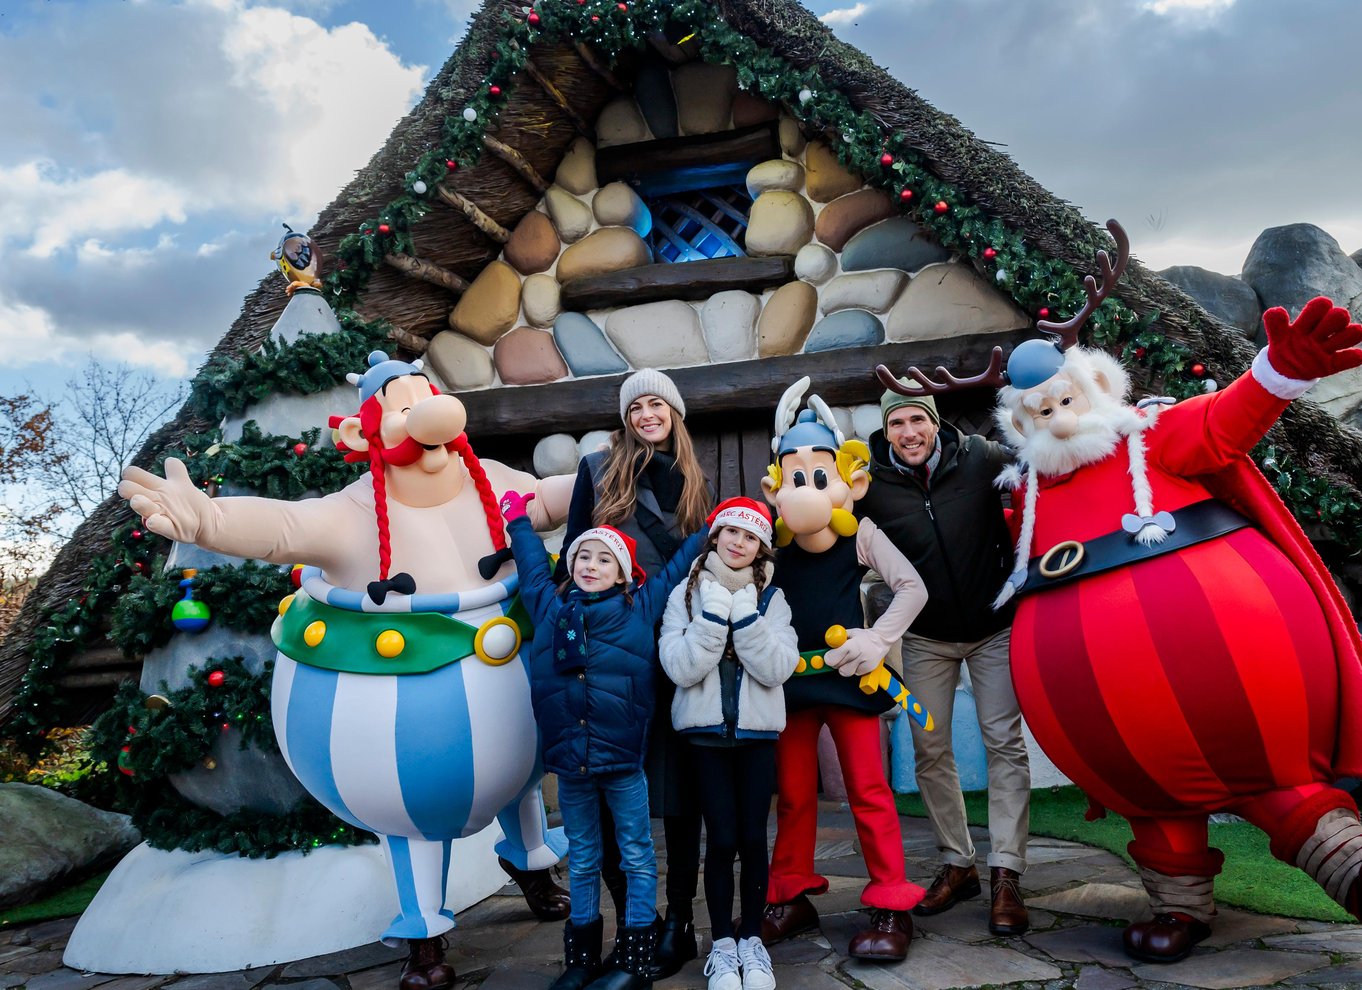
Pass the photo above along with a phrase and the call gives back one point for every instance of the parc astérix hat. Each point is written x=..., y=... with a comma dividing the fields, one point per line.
x=743, y=513
x=622, y=545
x=649, y=381
x=892, y=400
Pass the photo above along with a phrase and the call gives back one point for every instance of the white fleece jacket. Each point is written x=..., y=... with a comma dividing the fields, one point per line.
x=692, y=645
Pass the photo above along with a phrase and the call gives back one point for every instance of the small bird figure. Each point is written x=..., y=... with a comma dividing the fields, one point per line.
x=299, y=259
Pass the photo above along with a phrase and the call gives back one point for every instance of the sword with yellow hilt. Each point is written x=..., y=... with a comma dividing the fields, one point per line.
x=882, y=678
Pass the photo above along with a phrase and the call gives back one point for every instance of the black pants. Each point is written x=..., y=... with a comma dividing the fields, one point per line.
x=736, y=804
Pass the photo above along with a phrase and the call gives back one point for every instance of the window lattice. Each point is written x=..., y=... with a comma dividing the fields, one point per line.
x=700, y=224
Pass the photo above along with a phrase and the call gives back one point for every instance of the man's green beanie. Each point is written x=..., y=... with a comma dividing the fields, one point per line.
x=891, y=400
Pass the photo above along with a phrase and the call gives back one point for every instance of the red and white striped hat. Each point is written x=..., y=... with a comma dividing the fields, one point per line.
x=743, y=513
x=622, y=545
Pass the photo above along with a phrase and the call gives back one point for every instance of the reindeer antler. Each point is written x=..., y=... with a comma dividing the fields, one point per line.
x=1067, y=332
x=992, y=376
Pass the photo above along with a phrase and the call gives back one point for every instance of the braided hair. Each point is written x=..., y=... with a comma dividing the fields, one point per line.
x=762, y=567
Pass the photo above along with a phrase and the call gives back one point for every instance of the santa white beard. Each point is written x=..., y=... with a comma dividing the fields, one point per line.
x=1099, y=430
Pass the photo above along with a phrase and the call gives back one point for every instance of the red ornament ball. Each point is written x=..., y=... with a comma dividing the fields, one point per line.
x=941, y=206
x=136, y=534
x=622, y=6
x=368, y=231
x=595, y=19
x=1043, y=312
x=494, y=90
x=886, y=159
x=300, y=449
x=533, y=19
x=139, y=567
x=1140, y=352
x=217, y=678
x=451, y=165
x=905, y=195
x=990, y=254
x=1198, y=369
x=383, y=228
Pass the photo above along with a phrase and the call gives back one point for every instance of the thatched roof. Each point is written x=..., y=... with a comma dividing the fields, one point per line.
x=535, y=124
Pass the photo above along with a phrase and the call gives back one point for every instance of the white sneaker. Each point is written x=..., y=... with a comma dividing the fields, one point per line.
x=756, y=965
x=722, y=966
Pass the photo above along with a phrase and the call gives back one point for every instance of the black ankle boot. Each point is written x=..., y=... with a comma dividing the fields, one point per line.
x=676, y=944
x=581, y=956
x=633, y=961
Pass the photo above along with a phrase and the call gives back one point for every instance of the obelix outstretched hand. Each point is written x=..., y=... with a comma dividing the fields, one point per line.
x=1321, y=341
x=173, y=506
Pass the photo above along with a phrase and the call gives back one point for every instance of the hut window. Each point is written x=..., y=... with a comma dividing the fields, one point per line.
x=700, y=224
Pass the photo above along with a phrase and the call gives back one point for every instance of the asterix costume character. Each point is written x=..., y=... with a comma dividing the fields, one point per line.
x=402, y=704
x=823, y=555
x=1179, y=648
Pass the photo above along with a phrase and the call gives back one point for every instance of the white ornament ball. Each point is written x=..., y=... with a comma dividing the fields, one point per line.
x=418, y=187
x=805, y=95
x=469, y=114
x=1002, y=275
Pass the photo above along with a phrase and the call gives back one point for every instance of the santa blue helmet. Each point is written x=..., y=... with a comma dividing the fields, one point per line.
x=382, y=369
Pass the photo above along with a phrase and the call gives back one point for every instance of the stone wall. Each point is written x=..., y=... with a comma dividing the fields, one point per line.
x=865, y=274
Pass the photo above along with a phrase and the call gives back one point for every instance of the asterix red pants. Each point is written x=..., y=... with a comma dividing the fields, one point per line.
x=857, y=737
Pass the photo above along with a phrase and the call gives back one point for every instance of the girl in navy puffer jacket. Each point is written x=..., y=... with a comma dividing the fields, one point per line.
x=591, y=678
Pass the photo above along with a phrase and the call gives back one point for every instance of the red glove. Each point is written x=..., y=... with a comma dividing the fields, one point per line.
x=1320, y=343
x=513, y=505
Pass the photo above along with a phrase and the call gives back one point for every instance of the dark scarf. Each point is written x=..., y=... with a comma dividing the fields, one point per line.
x=569, y=633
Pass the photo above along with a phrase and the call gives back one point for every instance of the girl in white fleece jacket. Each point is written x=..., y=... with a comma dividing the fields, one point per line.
x=728, y=644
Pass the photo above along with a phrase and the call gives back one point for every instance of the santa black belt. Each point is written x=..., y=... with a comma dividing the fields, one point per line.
x=1070, y=560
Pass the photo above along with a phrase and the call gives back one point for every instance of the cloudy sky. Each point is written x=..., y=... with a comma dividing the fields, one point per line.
x=151, y=148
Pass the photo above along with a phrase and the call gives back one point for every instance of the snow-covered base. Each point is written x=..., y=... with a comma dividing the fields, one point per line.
x=180, y=912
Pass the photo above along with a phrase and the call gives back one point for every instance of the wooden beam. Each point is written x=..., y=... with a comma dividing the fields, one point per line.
x=427, y=271
x=408, y=340
x=97, y=678
x=841, y=377
x=673, y=164
x=517, y=161
x=685, y=280
x=597, y=66
x=475, y=214
x=556, y=95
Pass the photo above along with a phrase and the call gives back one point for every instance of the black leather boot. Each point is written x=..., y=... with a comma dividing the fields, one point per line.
x=676, y=944
x=581, y=956
x=633, y=961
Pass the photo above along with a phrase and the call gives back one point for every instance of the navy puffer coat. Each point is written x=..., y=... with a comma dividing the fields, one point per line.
x=595, y=720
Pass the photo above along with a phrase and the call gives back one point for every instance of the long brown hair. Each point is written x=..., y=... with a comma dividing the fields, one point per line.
x=628, y=456
x=762, y=568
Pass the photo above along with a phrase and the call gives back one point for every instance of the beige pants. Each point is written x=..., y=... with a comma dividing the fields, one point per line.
x=932, y=672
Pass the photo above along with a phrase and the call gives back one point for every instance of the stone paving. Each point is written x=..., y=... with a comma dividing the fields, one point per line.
x=1079, y=899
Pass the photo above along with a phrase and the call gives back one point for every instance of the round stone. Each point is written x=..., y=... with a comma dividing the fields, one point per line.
x=490, y=306
x=826, y=177
x=541, y=299
x=460, y=362
x=555, y=454
x=781, y=222
x=815, y=263
x=592, y=442
x=610, y=249
x=774, y=174
x=526, y=356
x=533, y=246
x=571, y=217
x=390, y=643
x=786, y=319
x=617, y=205
x=847, y=215
x=577, y=171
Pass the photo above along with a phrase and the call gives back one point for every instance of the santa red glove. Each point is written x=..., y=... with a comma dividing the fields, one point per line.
x=1321, y=341
x=513, y=505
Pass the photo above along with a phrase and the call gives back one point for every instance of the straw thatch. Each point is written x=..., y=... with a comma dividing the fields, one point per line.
x=533, y=124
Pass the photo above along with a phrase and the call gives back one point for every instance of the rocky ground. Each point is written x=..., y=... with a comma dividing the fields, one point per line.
x=1079, y=898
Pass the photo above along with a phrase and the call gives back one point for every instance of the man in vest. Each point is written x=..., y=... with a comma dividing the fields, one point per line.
x=933, y=496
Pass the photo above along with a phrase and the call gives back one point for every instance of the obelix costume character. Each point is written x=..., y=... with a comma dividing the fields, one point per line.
x=822, y=557
x=1179, y=648
x=402, y=704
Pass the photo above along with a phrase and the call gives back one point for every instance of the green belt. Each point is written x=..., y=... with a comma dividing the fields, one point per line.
x=314, y=633
x=811, y=662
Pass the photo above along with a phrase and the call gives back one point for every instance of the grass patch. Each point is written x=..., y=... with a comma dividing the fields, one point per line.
x=62, y=904
x=1252, y=879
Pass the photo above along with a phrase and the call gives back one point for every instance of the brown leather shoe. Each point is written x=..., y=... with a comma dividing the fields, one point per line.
x=1007, y=914
x=1165, y=939
x=425, y=968
x=782, y=921
x=951, y=885
x=887, y=938
x=545, y=899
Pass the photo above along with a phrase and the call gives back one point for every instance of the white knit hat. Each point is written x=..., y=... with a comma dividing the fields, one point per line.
x=649, y=381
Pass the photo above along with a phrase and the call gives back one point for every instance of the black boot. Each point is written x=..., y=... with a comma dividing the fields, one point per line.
x=581, y=955
x=675, y=944
x=545, y=899
x=633, y=961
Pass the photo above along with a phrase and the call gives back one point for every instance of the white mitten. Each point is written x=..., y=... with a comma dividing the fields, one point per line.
x=744, y=603
x=716, y=600
x=859, y=655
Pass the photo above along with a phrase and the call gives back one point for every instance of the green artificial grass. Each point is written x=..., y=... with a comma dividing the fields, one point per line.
x=62, y=904
x=1252, y=879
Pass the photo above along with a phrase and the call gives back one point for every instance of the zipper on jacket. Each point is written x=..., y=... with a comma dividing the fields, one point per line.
x=941, y=545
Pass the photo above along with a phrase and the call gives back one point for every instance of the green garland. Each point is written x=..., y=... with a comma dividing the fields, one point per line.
x=314, y=362
x=244, y=598
x=271, y=466
x=147, y=745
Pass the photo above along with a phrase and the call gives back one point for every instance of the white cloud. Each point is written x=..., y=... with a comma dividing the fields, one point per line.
x=844, y=15
x=26, y=333
x=1182, y=8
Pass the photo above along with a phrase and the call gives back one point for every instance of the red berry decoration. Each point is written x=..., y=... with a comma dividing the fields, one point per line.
x=533, y=19
x=622, y=6
x=368, y=231
x=383, y=228
x=990, y=254
x=300, y=449
x=595, y=19
x=451, y=165
x=1043, y=312
x=941, y=206
x=1140, y=352
x=1198, y=369
x=136, y=534
x=217, y=678
x=905, y=195
x=886, y=159
x=494, y=90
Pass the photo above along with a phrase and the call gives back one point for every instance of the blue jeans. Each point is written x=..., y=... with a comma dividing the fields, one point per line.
x=626, y=795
